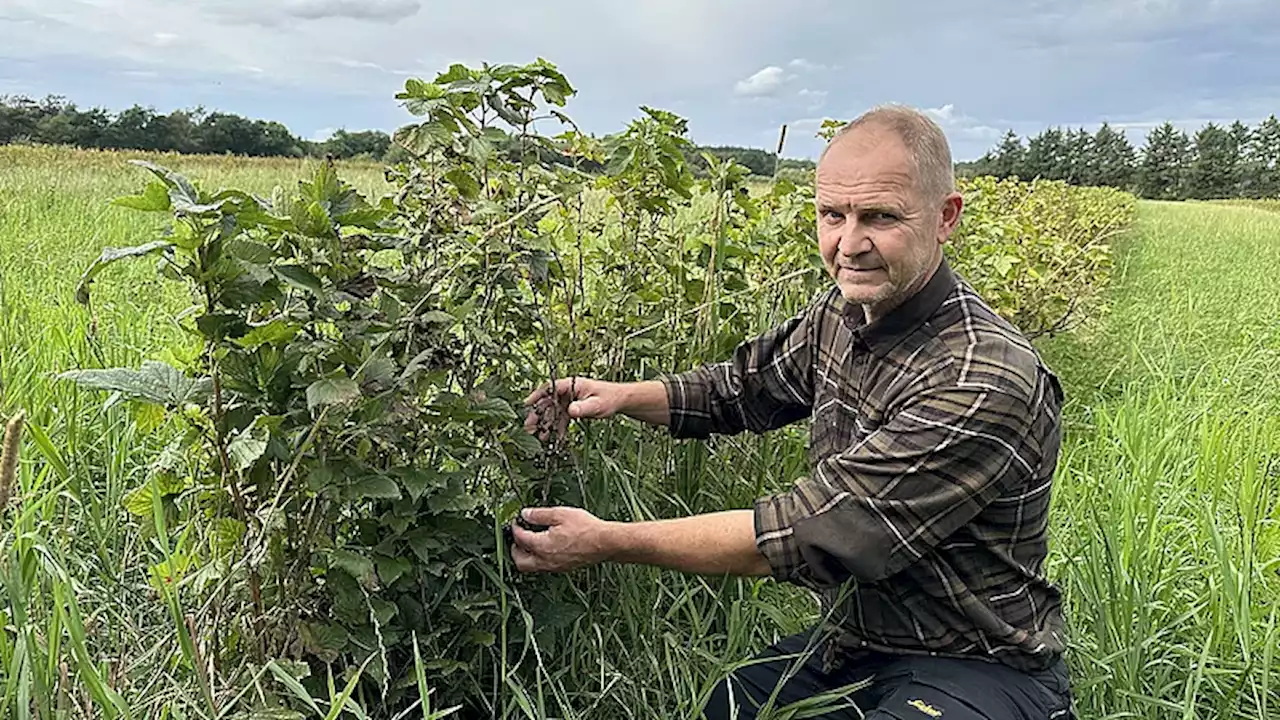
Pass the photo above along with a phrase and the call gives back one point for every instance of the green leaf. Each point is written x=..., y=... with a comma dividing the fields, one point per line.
x=139, y=500
x=217, y=326
x=481, y=637
x=554, y=93
x=298, y=276
x=330, y=391
x=355, y=565
x=444, y=666
x=154, y=199
x=273, y=333
x=318, y=221
x=424, y=543
x=454, y=498
x=378, y=371
x=479, y=150
x=494, y=409
x=363, y=216
x=391, y=569
x=325, y=640
x=110, y=255
x=170, y=571
x=155, y=381
x=250, y=251
x=383, y=611
x=180, y=188
x=321, y=477
x=464, y=182
x=526, y=443
x=147, y=416
x=247, y=446
x=226, y=535
x=418, y=481
x=373, y=486
x=438, y=317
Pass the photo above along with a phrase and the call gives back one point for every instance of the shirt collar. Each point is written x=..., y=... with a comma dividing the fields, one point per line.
x=886, y=332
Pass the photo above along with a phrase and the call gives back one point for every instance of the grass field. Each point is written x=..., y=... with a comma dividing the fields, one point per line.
x=1168, y=510
x=1167, y=518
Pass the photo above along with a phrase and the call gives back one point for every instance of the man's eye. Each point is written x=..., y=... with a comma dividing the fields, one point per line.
x=832, y=216
x=882, y=217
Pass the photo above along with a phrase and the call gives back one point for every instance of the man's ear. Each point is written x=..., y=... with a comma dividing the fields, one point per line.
x=952, y=210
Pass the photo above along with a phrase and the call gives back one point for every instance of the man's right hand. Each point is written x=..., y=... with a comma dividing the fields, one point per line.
x=551, y=408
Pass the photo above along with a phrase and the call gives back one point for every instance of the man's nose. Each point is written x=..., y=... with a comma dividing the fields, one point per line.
x=854, y=240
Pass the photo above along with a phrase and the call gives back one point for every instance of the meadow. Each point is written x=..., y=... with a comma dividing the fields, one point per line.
x=1166, y=536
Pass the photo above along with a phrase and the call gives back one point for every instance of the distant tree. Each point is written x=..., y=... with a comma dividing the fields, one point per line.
x=973, y=168
x=1113, y=159
x=1243, y=177
x=178, y=131
x=129, y=130
x=1264, y=158
x=19, y=116
x=1079, y=158
x=369, y=143
x=1009, y=157
x=274, y=139
x=1165, y=164
x=758, y=161
x=1212, y=172
x=221, y=133
x=1046, y=157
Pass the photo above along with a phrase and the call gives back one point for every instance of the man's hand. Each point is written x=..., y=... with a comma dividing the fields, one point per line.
x=551, y=407
x=573, y=539
x=715, y=544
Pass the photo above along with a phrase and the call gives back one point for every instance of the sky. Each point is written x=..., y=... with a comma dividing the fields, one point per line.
x=735, y=69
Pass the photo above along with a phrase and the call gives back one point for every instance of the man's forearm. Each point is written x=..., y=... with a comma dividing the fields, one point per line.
x=721, y=543
x=647, y=401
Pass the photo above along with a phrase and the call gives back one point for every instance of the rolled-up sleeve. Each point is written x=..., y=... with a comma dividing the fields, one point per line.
x=879, y=506
x=768, y=383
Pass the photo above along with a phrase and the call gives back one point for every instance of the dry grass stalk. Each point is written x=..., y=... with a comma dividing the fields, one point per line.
x=9, y=459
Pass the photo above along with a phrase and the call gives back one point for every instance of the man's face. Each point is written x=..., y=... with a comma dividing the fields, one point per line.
x=878, y=235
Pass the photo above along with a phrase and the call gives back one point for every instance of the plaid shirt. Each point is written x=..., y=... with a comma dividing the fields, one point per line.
x=934, y=435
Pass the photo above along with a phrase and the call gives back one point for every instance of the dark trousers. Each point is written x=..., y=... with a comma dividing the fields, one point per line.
x=902, y=687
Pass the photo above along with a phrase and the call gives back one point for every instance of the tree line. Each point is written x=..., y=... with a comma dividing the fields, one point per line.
x=55, y=121
x=1218, y=161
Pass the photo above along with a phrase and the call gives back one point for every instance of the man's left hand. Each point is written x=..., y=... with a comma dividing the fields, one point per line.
x=574, y=538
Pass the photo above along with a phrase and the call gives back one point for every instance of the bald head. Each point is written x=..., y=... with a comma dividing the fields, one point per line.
x=924, y=141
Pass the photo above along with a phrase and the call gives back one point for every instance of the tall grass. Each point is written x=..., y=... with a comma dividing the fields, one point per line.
x=1166, y=525
x=1167, y=515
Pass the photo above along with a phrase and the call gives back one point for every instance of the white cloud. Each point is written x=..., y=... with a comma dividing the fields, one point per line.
x=815, y=98
x=164, y=38
x=943, y=115
x=804, y=128
x=274, y=15
x=322, y=134
x=359, y=64
x=764, y=83
x=146, y=74
x=388, y=11
x=805, y=66
x=981, y=132
x=959, y=126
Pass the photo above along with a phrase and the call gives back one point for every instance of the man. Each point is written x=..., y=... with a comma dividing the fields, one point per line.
x=934, y=438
